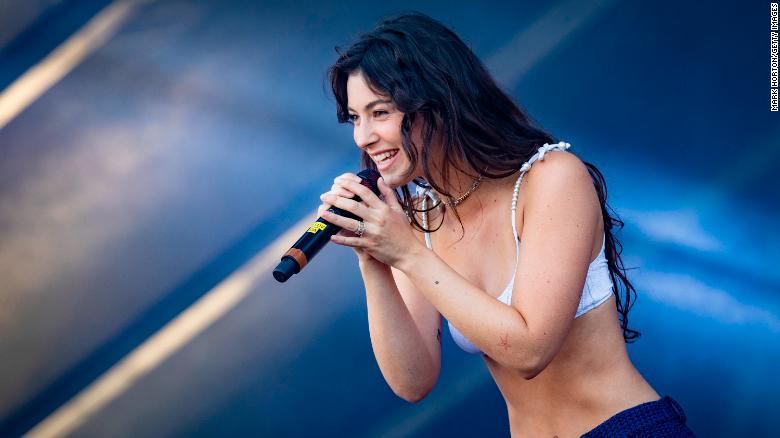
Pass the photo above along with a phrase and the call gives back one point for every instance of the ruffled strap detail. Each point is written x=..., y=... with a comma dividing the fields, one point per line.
x=426, y=193
x=538, y=156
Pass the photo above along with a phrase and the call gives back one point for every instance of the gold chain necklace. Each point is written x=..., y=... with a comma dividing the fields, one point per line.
x=461, y=198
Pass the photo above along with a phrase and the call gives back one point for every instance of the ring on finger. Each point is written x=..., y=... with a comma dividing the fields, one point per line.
x=361, y=228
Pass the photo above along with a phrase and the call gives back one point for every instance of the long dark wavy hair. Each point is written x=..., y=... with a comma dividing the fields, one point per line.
x=432, y=76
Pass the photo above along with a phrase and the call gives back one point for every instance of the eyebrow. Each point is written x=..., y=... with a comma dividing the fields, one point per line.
x=372, y=104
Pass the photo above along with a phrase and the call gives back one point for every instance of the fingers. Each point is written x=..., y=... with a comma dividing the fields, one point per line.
x=354, y=242
x=350, y=205
x=341, y=180
x=322, y=211
x=347, y=185
x=338, y=190
x=389, y=194
x=348, y=175
x=322, y=208
x=366, y=195
x=343, y=222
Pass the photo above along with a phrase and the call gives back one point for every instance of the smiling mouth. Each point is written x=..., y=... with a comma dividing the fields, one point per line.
x=384, y=156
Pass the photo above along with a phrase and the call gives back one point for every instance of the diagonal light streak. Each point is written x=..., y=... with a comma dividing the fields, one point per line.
x=41, y=77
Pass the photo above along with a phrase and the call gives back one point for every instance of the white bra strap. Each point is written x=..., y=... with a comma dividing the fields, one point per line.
x=539, y=155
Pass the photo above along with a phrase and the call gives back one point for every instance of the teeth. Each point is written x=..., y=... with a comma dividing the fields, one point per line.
x=385, y=155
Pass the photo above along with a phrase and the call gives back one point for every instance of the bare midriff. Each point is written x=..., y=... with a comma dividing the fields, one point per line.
x=589, y=380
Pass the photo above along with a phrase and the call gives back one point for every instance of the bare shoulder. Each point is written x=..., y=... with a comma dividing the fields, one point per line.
x=556, y=166
x=560, y=172
x=560, y=186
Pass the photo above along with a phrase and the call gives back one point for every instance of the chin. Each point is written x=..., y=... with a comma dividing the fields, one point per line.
x=395, y=175
x=390, y=179
x=396, y=181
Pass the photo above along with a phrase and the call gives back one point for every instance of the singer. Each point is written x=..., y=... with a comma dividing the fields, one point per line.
x=507, y=234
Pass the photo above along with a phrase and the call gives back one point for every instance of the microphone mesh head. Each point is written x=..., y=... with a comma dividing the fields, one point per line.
x=369, y=179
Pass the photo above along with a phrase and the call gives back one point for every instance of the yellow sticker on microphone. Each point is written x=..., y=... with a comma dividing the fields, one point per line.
x=316, y=226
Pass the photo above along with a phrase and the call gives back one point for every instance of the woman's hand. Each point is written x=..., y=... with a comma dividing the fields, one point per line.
x=337, y=189
x=388, y=236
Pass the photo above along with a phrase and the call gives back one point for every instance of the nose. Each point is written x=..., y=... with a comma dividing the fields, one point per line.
x=364, y=134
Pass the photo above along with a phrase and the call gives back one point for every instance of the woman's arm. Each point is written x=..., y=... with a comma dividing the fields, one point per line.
x=402, y=326
x=405, y=329
x=560, y=218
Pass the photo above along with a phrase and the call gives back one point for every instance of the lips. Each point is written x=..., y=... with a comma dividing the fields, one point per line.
x=385, y=155
x=385, y=159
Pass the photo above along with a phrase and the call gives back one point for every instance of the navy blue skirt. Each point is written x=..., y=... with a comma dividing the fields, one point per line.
x=660, y=418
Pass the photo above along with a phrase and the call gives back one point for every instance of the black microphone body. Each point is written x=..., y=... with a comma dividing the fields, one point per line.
x=319, y=234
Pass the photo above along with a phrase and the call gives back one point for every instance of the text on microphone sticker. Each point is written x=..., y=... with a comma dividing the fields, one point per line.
x=316, y=226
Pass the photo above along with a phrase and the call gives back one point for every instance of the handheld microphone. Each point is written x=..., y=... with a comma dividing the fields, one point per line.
x=318, y=234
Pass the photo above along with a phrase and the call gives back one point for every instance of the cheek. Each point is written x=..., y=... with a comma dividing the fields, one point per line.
x=392, y=132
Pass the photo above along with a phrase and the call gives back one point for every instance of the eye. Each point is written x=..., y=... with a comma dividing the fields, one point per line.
x=380, y=113
x=351, y=118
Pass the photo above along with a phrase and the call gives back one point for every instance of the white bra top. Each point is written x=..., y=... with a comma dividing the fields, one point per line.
x=598, y=284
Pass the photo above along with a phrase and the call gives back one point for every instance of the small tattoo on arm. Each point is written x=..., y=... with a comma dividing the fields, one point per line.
x=505, y=342
x=436, y=281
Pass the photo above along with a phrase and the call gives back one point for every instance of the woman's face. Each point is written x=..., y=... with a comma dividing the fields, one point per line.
x=377, y=130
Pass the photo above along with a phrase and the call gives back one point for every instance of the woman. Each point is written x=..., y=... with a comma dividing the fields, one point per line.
x=508, y=236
